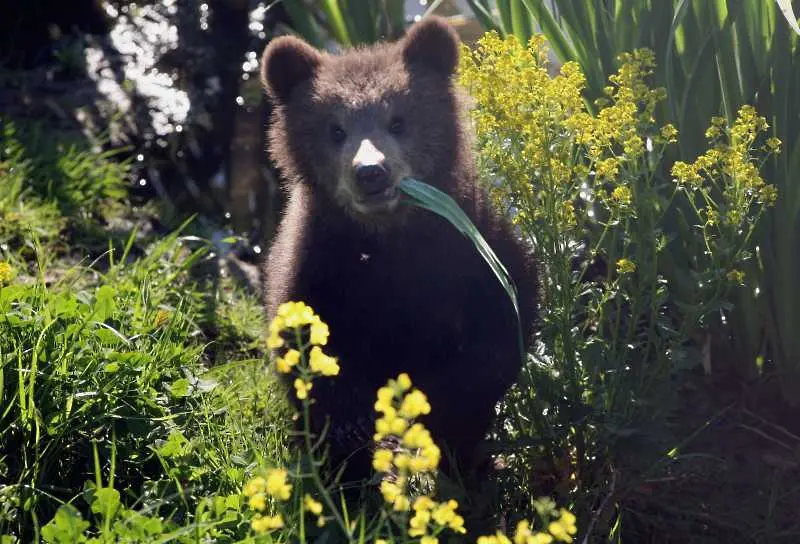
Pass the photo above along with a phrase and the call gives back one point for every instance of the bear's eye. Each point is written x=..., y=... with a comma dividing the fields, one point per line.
x=397, y=126
x=338, y=134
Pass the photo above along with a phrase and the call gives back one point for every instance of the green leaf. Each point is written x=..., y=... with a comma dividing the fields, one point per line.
x=336, y=21
x=173, y=446
x=66, y=527
x=558, y=40
x=788, y=12
x=483, y=15
x=105, y=304
x=106, y=502
x=179, y=388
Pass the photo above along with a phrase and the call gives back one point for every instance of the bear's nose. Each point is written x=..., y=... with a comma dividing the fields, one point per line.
x=372, y=178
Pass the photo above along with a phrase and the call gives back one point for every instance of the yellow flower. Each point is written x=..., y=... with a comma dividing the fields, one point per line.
x=276, y=484
x=524, y=535
x=625, y=266
x=262, y=524
x=418, y=524
x=6, y=273
x=321, y=363
x=563, y=528
x=404, y=382
x=497, y=538
x=255, y=485
x=415, y=404
x=773, y=145
x=686, y=173
x=428, y=540
x=274, y=340
x=424, y=502
x=257, y=502
x=295, y=314
x=736, y=276
x=622, y=195
x=312, y=505
x=384, y=404
x=284, y=364
x=569, y=519
x=302, y=388
x=382, y=460
x=607, y=169
x=427, y=460
x=390, y=491
x=768, y=195
x=401, y=461
x=401, y=504
x=669, y=133
x=398, y=426
x=319, y=333
x=568, y=213
x=417, y=436
x=445, y=516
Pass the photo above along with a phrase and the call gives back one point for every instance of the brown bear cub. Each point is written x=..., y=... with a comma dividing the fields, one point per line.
x=401, y=289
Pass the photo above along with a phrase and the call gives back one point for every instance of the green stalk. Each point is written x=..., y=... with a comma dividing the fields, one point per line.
x=337, y=22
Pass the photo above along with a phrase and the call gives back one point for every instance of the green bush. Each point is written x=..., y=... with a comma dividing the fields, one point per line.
x=714, y=57
x=596, y=395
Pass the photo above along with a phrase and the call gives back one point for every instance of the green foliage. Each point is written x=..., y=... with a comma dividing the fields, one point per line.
x=24, y=215
x=82, y=183
x=347, y=22
x=111, y=366
x=597, y=393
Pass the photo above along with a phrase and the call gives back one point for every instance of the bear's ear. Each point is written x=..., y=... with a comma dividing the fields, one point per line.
x=432, y=42
x=287, y=61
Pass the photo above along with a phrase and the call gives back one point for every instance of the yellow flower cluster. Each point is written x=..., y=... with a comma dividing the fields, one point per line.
x=257, y=490
x=6, y=273
x=536, y=132
x=561, y=530
x=626, y=266
x=292, y=321
x=622, y=195
x=292, y=316
x=431, y=517
x=399, y=405
x=729, y=165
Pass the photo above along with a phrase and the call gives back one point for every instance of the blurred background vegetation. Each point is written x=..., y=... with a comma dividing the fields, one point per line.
x=122, y=119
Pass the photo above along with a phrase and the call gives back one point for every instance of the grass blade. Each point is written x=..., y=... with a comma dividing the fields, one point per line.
x=485, y=17
x=550, y=27
x=337, y=22
x=788, y=12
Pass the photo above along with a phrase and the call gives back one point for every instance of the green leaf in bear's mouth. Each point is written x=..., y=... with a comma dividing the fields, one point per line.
x=432, y=199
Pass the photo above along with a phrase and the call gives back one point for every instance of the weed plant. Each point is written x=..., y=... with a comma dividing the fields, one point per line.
x=594, y=195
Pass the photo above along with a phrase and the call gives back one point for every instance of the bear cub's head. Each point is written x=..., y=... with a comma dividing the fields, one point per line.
x=353, y=125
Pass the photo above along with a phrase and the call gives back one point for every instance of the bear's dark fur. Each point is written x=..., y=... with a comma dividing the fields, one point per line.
x=401, y=289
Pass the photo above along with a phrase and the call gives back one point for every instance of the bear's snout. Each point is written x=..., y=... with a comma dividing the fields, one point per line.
x=372, y=179
x=371, y=173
